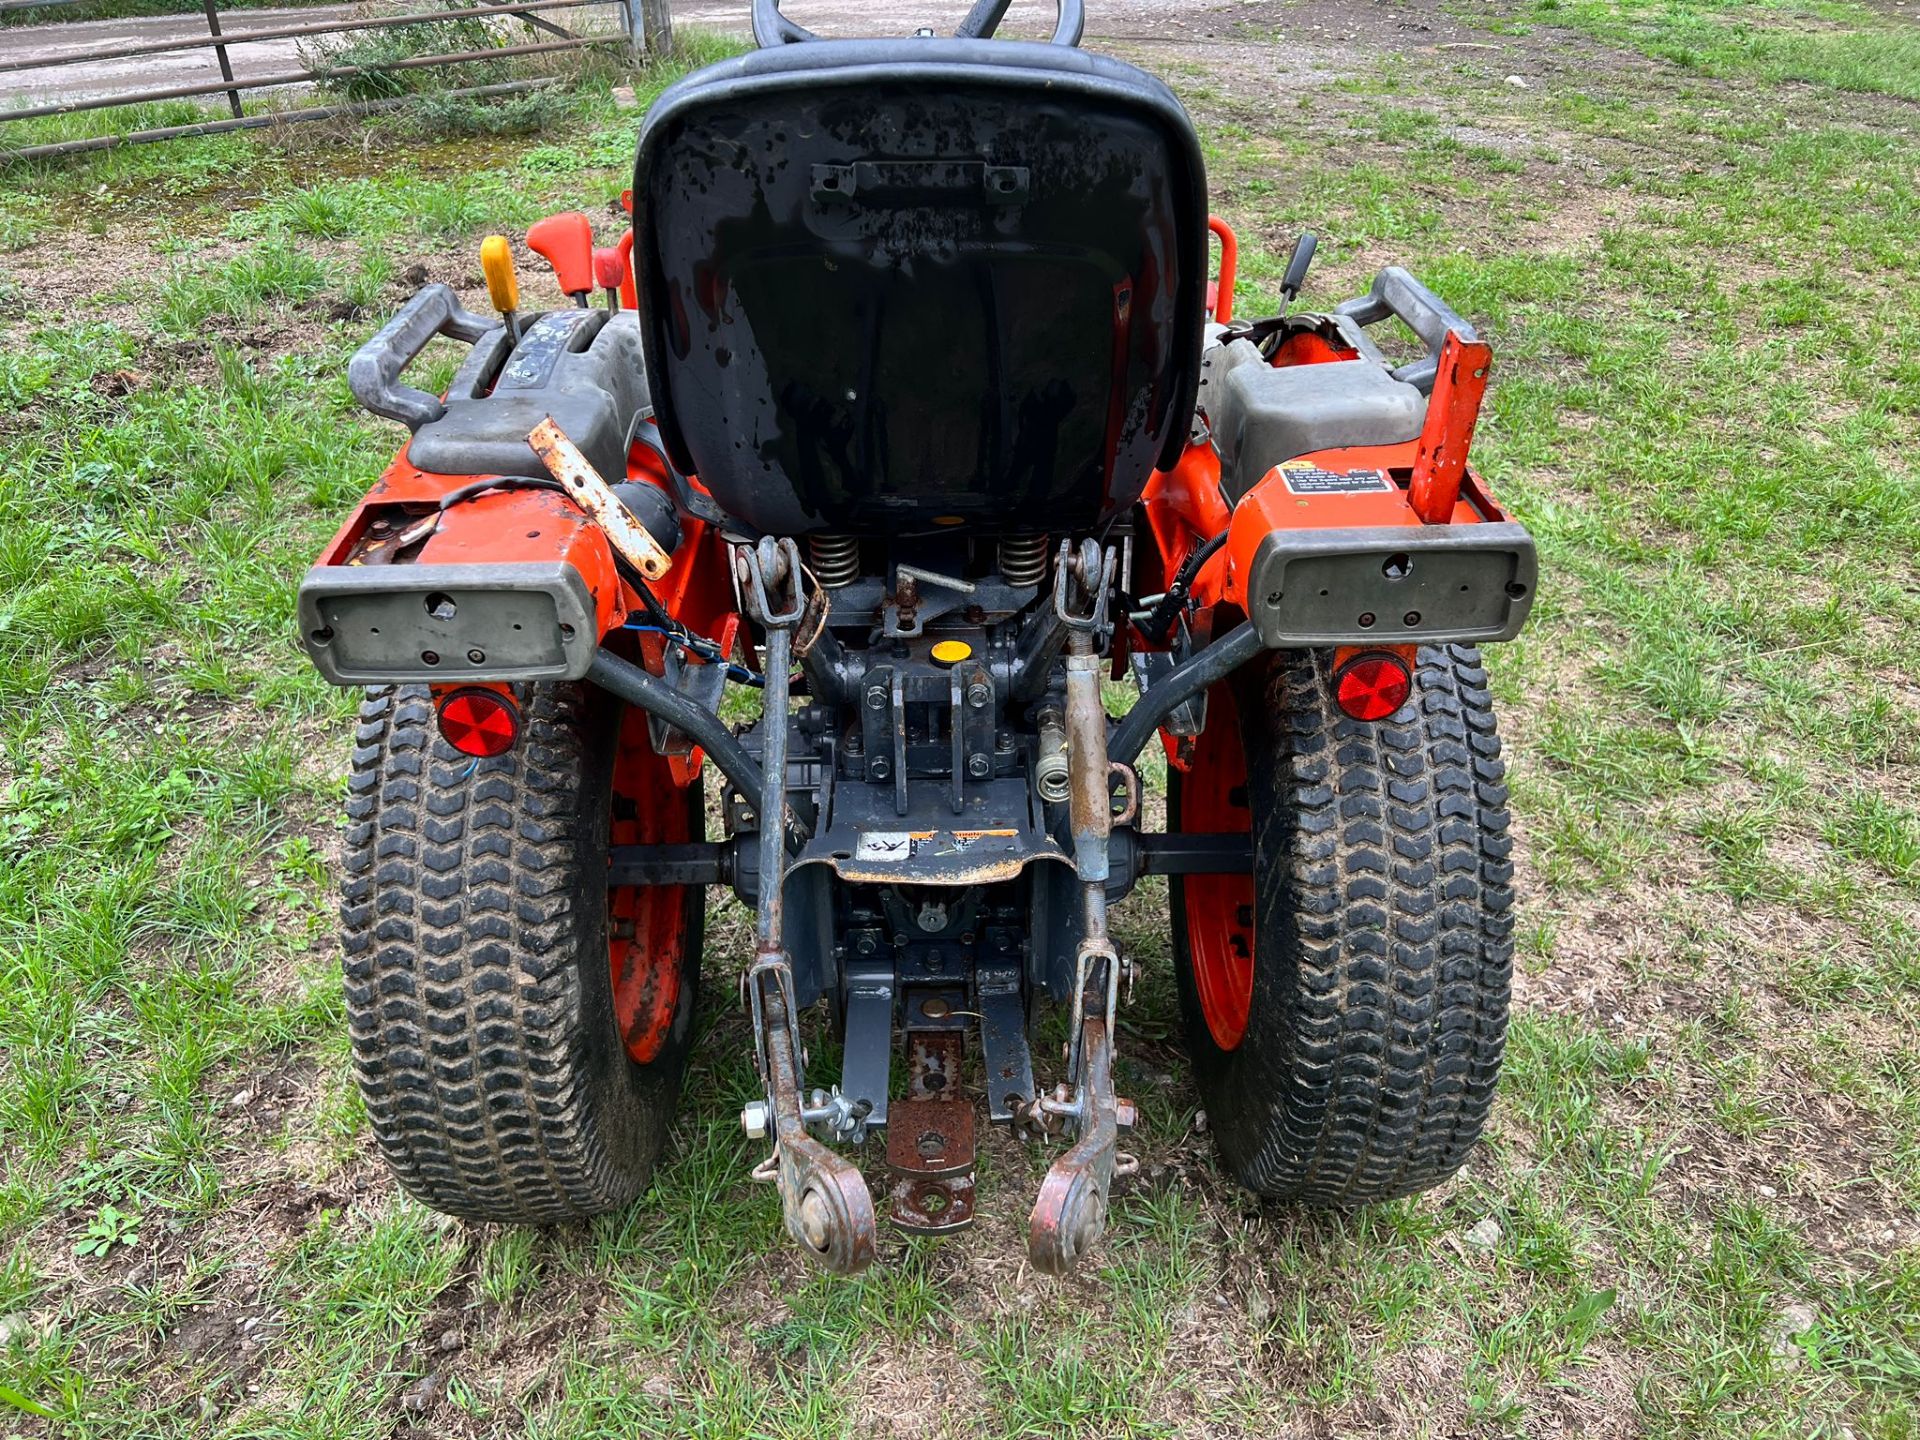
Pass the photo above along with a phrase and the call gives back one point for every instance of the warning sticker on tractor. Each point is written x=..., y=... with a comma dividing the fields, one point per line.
x=1303, y=478
x=885, y=845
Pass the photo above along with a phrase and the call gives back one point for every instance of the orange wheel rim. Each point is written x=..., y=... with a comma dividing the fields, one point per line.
x=646, y=924
x=1219, y=908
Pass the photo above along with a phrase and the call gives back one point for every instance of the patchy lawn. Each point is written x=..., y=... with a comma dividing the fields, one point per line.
x=1692, y=233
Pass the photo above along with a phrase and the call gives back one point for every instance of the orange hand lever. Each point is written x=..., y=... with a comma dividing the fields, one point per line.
x=629, y=290
x=566, y=240
x=610, y=269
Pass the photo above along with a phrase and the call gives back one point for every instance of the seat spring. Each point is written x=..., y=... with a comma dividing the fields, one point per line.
x=835, y=559
x=1023, y=559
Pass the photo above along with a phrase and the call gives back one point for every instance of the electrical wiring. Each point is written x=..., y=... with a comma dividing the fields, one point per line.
x=702, y=649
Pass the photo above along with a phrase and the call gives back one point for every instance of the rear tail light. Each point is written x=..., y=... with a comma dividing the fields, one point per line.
x=1372, y=685
x=478, y=722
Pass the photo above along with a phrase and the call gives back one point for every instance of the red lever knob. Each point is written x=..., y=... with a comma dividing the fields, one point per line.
x=566, y=241
x=609, y=268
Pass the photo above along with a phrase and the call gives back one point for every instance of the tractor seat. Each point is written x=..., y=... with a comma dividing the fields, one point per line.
x=888, y=283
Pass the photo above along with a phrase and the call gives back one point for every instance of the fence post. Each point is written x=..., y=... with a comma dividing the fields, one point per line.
x=656, y=17
x=220, y=51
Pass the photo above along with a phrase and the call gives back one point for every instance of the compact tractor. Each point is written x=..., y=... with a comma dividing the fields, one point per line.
x=913, y=404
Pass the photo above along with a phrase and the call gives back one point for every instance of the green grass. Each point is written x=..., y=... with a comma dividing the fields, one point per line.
x=1829, y=43
x=1693, y=258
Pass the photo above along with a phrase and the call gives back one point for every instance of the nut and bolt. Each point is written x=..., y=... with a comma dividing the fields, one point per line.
x=978, y=694
x=876, y=697
x=753, y=1119
x=979, y=766
x=1126, y=1114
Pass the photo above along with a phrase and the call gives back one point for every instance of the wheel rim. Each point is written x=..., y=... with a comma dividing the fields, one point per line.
x=1219, y=908
x=646, y=924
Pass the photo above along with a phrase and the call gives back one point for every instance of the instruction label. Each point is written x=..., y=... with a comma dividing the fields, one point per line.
x=1303, y=478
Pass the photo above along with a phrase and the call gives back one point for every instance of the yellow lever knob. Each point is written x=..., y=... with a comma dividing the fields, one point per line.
x=496, y=262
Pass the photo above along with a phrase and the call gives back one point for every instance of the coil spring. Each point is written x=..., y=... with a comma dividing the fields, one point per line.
x=835, y=559
x=1023, y=559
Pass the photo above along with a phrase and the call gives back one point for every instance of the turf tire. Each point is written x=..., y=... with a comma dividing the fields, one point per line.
x=1382, y=936
x=479, y=992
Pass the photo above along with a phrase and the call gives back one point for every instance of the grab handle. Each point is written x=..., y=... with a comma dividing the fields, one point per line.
x=373, y=375
x=1397, y=293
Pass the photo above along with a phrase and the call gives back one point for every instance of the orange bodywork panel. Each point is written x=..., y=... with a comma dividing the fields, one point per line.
x=496, y=526
x=1271, y=506
x=1320, y=535
x=400, y=524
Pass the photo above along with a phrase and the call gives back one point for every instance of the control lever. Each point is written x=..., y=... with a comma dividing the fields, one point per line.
x=609, y=268
x=503, y=286
x=566, y=241
x=1297, y=263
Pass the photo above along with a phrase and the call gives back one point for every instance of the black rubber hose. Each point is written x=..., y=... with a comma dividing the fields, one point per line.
x=1159, y=622
x=1182, y=683
x=703, y=727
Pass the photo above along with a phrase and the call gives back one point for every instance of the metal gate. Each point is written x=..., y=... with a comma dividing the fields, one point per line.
x=643, y=25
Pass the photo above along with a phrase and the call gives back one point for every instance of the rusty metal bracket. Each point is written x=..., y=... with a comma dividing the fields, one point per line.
x=930, y=1141
x=1070, y=1213
x=587, y=490
x=825, y=1202
x=1083, y=573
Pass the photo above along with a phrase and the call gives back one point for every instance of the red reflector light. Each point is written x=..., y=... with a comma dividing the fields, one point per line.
x=479, y=722
x=1372, y=687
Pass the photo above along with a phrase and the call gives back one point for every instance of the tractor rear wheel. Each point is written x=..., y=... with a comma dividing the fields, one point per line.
x=519, y=1030
x=1346, y=1005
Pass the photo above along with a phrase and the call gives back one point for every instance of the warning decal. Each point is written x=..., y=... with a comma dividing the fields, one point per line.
x=1303, y=478
x=889, y=845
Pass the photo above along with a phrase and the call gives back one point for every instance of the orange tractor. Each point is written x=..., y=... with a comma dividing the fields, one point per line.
x=912, y=406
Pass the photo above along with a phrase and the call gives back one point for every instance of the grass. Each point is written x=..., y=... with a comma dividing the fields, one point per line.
x=1692, y=252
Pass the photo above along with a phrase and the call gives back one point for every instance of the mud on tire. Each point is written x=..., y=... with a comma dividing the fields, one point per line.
x=1376, y=930
x=479, y=990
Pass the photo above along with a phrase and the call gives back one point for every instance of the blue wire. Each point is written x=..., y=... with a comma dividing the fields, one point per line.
x=739, y=674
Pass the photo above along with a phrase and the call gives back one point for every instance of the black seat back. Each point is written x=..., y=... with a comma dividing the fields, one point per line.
x=897, y=283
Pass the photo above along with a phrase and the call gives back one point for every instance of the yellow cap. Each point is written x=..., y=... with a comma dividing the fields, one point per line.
x=951, y=652
x=496, y=262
